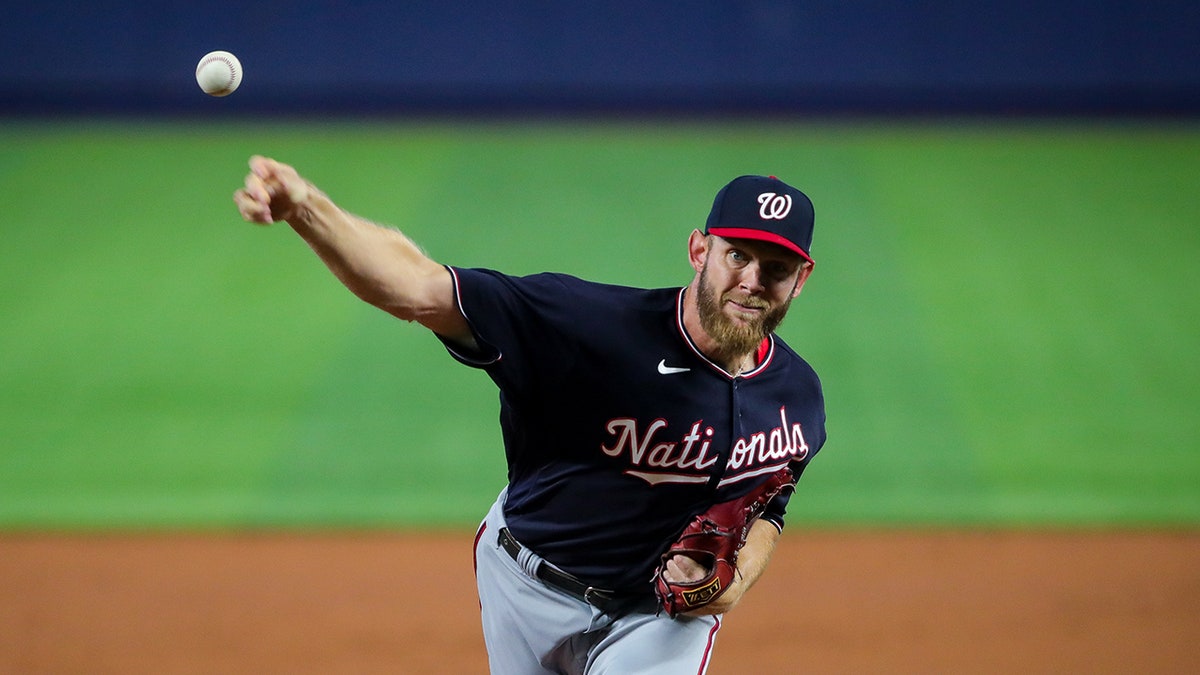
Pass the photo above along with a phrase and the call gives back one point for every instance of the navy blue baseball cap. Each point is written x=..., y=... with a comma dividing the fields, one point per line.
x=763, y=208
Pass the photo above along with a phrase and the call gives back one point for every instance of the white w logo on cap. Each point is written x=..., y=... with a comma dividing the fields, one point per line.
x=774, y=207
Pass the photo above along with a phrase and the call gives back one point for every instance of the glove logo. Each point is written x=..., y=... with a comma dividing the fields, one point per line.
x=773, y=206
x=703, y=595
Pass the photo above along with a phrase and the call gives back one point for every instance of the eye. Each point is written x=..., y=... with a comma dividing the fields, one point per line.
x=737, y=257
x=777, y=272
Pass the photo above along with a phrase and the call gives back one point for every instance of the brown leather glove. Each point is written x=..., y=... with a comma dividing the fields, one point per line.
x=714, y=539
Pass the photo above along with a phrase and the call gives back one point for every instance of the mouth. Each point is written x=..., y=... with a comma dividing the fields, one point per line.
x=747, y=307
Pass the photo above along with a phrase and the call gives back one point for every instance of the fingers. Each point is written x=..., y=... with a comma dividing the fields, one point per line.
x=253, y=209
x=259, y=165
x=266, y=170
x=254, y=201
x=277, y=177
x=267, y=195
x=682, y=569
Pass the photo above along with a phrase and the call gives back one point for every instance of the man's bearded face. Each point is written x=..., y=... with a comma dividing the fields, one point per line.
x=736, y=336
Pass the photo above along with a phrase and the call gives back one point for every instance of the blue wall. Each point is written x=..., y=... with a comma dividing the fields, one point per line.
x=755, y=56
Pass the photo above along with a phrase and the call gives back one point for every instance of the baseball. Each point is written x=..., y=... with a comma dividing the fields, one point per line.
x=219, y=73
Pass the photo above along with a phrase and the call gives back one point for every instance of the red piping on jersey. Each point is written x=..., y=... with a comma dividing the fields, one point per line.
x=763, y=348
x=475, y=556
x=712, y=637
x=762, y=356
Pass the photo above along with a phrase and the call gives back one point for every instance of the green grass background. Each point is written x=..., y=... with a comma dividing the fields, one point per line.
x=1005, y=314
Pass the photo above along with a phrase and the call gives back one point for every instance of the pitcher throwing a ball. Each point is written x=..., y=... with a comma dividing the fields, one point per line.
x=653, y=436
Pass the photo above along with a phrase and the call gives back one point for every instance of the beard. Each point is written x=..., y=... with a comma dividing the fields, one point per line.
x=735, y=339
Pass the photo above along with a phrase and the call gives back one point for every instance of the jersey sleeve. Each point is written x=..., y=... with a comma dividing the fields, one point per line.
x=516, y=322
x=777, y=507
x=815, y=437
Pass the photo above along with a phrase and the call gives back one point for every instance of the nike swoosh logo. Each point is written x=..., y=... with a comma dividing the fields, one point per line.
x=670, y=370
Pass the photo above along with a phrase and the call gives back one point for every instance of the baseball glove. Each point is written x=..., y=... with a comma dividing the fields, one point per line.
x=714, y=539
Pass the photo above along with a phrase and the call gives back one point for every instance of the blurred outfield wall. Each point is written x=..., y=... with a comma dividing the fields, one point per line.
x=505, y=56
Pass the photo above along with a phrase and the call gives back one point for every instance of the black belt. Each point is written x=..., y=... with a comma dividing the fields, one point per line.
x=608, y=601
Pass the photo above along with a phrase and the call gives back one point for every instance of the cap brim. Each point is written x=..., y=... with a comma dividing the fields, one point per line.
x=760, y=235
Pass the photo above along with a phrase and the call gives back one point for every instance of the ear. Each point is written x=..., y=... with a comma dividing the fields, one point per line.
x=805, y=270
x=697, y=250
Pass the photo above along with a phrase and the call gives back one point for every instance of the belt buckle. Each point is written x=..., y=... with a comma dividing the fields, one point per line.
x=591, y=596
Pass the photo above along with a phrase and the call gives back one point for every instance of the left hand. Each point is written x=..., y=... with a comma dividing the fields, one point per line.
x=681, y=568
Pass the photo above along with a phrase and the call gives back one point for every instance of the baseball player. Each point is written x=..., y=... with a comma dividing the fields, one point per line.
x=626, y=413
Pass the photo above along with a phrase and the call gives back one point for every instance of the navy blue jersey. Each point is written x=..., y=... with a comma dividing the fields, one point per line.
x=617, y=429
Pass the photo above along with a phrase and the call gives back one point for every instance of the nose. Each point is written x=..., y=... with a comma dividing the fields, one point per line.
x=751, y=279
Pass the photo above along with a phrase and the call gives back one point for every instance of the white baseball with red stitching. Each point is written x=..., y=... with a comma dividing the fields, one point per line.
x=219, y=73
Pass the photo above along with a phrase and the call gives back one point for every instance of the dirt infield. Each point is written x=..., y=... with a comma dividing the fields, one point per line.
x=894, y=602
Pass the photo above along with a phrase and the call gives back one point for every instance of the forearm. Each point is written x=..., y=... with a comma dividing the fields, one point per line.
x=756, y=553
x=378, y=264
